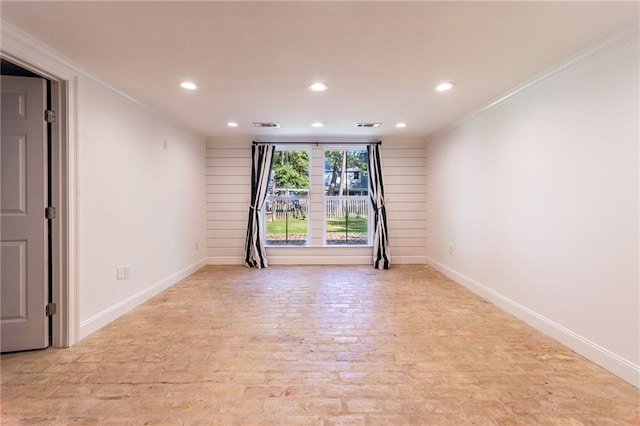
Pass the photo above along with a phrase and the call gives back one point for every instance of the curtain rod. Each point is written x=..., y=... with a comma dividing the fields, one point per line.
x=316, y=143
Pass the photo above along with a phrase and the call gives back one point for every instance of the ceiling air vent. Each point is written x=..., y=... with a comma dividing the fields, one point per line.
x=266, y=125
x=368, y=124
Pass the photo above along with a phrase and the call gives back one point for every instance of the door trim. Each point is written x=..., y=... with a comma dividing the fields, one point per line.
x=28, y=53
x=63, y=330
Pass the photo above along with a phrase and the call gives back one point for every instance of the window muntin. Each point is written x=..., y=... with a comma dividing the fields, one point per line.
x=347, y=206
x=286, y=211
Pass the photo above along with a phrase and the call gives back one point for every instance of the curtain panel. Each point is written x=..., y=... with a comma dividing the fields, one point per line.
x=381, y=255
x=255, y=254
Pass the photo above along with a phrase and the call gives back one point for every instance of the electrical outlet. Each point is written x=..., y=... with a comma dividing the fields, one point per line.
x=450, y=249
x=120, y=273
x=127, y=272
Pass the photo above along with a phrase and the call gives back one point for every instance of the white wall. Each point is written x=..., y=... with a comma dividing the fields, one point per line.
x=539, y=198
x=138, y=204
x=228, y=186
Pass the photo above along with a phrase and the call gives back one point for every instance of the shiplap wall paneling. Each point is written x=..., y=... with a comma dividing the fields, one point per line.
x=228, y=194
x=404, y=170
x=228, y=170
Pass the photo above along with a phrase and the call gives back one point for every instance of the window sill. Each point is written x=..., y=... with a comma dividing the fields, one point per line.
x=270, y=246
x=347, y=245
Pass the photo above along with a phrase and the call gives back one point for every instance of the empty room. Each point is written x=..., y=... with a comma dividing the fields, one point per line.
x=320, y=213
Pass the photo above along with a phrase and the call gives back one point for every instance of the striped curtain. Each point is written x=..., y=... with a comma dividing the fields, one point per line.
x=255, y=255
x=381, y=256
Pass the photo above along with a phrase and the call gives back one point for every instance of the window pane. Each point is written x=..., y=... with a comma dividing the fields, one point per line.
x=346, y=173
x=347, y=220
x=346, y=189
x=286, y=210
x=290, y=171
x=286, y=222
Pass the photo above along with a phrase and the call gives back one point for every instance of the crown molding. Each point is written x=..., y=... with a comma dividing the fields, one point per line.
x=601, y=47
x=24, y=48
x=26, y=51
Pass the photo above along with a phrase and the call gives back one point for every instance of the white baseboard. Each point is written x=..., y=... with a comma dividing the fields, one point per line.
x=617, y=365
x=225, y=260
x=112, y=313
x=408, y=260
x=319, y=260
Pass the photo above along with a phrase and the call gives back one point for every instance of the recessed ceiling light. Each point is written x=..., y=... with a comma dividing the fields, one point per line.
x=317, y=124
x=188, y=85
x=443, y=87
x=401, y=125
x=232, y=124
x=318, y=87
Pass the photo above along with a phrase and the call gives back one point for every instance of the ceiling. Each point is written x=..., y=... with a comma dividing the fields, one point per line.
x=253, y=61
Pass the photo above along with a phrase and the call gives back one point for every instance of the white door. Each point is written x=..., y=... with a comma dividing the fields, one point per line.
x=23, y=227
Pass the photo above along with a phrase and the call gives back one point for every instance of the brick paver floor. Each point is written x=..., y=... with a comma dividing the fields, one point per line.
x=333, y=238
x=342, y=345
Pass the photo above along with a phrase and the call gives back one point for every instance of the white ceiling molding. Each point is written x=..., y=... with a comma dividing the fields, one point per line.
x=24, y=48
x=603, y=46
x=26, y=51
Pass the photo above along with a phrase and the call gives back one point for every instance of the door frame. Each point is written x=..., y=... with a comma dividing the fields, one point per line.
x=30, y=54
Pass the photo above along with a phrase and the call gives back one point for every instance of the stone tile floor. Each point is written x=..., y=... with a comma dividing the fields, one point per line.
x=314, y=345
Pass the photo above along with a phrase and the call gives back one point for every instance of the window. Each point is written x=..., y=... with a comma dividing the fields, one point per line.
x=345, y=206
x=346, y=200
x=286, y=211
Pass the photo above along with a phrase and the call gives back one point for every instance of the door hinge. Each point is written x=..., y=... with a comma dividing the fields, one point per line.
x=50, y=309
x=50, y=213
x=49, y=116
